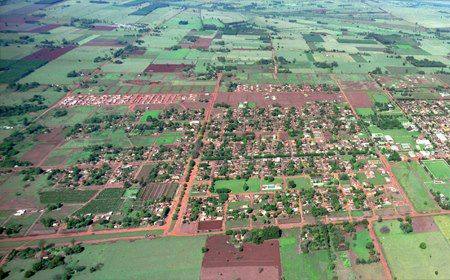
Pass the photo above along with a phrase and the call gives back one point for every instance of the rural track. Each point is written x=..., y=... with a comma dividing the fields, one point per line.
x=77, y=234
x=379, y=249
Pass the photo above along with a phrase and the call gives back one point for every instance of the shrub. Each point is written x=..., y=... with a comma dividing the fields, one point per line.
x=423, y=245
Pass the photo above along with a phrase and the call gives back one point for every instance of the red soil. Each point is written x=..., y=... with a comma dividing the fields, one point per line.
x=54, y=136
x=283, y=99
x=44, y=28
x=103, y=27
x=424, y=224
x=137, y=52
x=224, y=261
x=18, y=202
x=38, y=153
x=21, y=27
x=48, y=54
x=200, y=43
x=208, y=226
x=12, y=19
x=359, y=99
x=46, y=143
x=165, y=68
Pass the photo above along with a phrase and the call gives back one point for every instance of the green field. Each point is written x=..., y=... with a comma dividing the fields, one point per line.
x=301, y=182
x=412, y=178
x=182, y=259
x=237, y=185
x=358, y=244
x=407, y=260
x=65, y=196
x=443, y=223
x=314, y=265
x=438, y=168
x=152, y=113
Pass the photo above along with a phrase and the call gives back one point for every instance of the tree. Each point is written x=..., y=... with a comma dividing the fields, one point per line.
x=423, y=245
x=3, y=274
x=292, y=184
x=395, y=156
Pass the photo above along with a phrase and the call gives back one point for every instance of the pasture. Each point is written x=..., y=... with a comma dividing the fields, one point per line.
x=412, y=178
x=407, y=260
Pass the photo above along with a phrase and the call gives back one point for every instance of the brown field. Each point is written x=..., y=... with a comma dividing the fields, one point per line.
x=207, y=226
x=200, y=43
x=359, y=100
x=166, y=68
x=48, y=54
x=224, y=261
x=283, y=99
x=46, y=143
x=424, y=224
x=103, y=27
x=44, y=28
x=38, y=152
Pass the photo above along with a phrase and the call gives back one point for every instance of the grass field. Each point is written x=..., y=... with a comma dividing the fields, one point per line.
x=443, y=223
x=358, y=245
x=151, y=113
x=296, y=265
x=237, y=185
x=181, y=260
x=301, y=182
x=177, y=258
x=438, y=168
x=407, y=260
x=411, y=177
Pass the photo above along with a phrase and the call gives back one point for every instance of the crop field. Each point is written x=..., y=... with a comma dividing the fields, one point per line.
x=155, y=191
x=108, y=200
x=65, y=196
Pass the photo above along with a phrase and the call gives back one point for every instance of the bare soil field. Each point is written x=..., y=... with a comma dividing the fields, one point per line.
x=224, y=261
x=424, y=224
x=207, y=226
x=103, y=27
x=283, y=99
x=44, y=28
x=166, y=68
x=38, y=153
x=48, y=54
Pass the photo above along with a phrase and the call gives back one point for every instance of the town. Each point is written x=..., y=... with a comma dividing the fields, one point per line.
x=234, y=140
